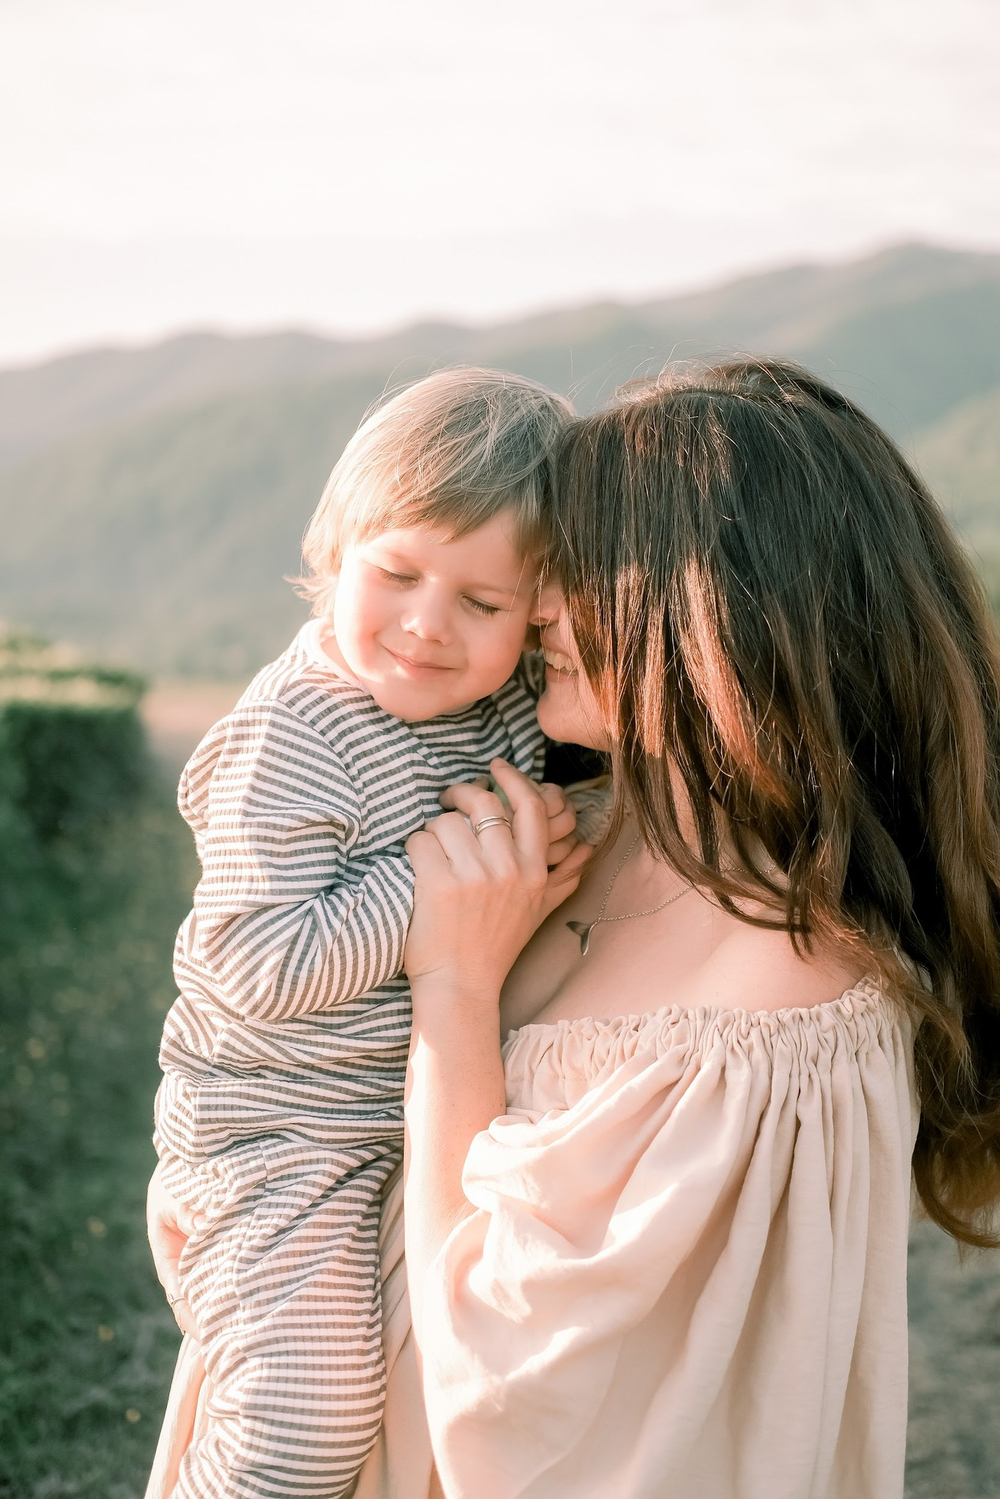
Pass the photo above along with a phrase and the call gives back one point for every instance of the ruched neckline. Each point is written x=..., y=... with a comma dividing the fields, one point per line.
x=548, y=1063
x=853, y=1002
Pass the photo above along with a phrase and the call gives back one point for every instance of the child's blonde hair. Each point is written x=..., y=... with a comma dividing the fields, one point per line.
x=451, y=451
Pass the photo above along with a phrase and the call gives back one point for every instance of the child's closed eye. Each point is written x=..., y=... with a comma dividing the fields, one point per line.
x=482, y=608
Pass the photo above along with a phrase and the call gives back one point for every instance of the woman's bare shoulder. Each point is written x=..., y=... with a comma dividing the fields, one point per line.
x=753, y=968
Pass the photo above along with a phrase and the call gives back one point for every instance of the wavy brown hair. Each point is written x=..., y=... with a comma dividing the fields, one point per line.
x=778, y=617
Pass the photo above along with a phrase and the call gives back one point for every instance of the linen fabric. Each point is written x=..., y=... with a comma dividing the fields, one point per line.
x=685, y=1276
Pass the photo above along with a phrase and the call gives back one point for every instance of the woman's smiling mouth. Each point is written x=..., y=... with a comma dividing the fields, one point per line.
x=561, y=664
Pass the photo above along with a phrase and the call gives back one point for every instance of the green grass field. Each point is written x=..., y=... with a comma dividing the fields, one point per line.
x=87, y=1339
x=87, y=1342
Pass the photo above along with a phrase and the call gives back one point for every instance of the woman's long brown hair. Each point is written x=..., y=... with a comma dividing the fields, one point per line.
x=772, y=605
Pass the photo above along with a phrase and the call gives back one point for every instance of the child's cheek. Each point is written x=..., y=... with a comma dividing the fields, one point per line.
x=510, y=644
x=356, y=622
x=366, y=617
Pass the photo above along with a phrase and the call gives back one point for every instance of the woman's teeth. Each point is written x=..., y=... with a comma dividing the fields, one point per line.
x=559, y=662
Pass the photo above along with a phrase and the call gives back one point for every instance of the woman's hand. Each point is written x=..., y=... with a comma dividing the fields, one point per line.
x=562, y=823
x=559, y=809
x=480, y=896
x=169, y=1225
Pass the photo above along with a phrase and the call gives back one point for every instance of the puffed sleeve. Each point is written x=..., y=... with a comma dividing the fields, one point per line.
x=686, y=1270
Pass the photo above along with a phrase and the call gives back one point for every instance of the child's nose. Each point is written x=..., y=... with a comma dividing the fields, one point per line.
x=427, y=618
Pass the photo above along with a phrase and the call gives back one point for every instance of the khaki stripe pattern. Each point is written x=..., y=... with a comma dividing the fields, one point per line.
x=279, y=1117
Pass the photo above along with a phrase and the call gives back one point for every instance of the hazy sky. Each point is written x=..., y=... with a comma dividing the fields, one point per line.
x=170, y=163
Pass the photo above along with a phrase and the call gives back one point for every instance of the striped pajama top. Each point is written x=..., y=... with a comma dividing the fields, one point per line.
x=293, y=1016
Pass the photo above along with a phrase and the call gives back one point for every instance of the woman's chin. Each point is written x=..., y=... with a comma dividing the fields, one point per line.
x=561, y=719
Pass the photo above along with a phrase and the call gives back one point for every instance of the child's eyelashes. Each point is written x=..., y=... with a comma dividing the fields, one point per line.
x=405, y=580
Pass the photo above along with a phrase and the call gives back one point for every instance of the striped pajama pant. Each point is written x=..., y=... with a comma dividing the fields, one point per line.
x=284, y=1284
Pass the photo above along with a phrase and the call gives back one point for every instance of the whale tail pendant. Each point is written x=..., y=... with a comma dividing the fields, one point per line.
x=583, y=930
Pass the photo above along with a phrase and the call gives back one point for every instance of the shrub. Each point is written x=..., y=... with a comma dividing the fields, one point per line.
x=72, y=760
x=95, y=874
x=70, y=766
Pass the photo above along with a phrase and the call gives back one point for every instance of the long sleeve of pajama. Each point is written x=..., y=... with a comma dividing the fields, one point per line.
x=280, y=1113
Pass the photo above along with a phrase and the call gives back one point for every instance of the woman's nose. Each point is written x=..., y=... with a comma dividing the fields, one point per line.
x=548, y=605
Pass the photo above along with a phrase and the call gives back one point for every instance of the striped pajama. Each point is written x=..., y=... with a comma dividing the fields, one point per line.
x=279, y=1117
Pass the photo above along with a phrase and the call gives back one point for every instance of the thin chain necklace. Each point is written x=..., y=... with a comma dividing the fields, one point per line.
x=583, y=929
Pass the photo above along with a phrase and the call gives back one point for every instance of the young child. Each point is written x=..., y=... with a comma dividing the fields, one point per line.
x=279, y=1118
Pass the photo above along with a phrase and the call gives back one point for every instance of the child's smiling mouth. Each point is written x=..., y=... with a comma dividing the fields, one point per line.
x=414, y=666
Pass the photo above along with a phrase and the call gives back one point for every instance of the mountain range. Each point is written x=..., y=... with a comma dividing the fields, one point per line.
x=152, y=500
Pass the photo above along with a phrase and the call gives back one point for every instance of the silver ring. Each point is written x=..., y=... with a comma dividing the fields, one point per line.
x=489, y=822
x=173, y=1300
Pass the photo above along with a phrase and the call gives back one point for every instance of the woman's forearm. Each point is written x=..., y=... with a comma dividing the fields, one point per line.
x=454, y=1088
x=477, y=901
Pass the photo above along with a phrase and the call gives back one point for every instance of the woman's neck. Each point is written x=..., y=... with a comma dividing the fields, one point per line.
x=637, y=936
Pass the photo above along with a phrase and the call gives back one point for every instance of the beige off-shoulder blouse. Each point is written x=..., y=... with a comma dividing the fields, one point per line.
x=685, y=1276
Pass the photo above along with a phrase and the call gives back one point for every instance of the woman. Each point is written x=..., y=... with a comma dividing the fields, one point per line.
x=656, y=1239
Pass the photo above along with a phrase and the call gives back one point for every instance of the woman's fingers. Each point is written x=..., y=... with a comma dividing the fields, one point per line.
x=482, y=783
x=553, y=796
x=559, y=809
x=477, y=896
x=566, y=875
x=424, y=851
x=184, y=1317
x=170, y=1224
x=531, y=823
x=480, y=827
x=474, y=801
x=562, y=823
x=469, y=852
x=481, y=806
x=560, y=849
